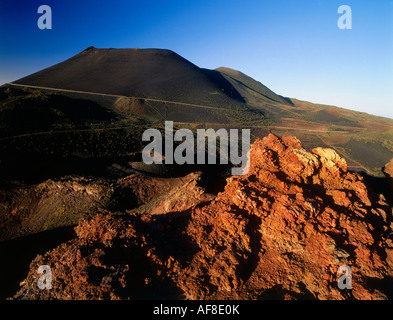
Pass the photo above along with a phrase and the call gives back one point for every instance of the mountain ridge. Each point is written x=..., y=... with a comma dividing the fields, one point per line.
x=149, y=73
x=254, y=85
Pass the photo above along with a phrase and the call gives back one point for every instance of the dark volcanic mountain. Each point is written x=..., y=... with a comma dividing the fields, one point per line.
x=151, y=73
x=147, y=73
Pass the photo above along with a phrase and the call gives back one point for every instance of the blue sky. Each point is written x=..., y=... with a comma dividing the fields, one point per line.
x=293, y=47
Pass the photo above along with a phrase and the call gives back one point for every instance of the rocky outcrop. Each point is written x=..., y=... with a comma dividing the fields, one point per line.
x=388, y=171
x=301, y=215
x=281, y=231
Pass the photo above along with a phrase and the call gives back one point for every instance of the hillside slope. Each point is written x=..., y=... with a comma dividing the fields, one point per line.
x=251, y=90
x=148, y=73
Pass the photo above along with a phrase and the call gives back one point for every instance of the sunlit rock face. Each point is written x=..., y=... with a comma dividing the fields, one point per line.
x=281, y=231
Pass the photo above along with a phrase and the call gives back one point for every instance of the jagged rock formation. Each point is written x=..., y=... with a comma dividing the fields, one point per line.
x=281, y=231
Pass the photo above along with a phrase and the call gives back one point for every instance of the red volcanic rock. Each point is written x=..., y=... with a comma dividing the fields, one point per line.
x=281, y=231
x=289, y=224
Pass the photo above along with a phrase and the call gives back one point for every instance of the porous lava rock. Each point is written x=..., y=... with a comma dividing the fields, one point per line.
x=281, y=231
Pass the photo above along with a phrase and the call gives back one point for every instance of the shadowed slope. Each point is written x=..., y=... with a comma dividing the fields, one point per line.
x=250, y=89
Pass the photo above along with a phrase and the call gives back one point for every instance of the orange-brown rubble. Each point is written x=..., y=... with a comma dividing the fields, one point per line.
x=281, y=231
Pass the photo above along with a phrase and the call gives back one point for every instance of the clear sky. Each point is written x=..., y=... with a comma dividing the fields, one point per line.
x=293, y=47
